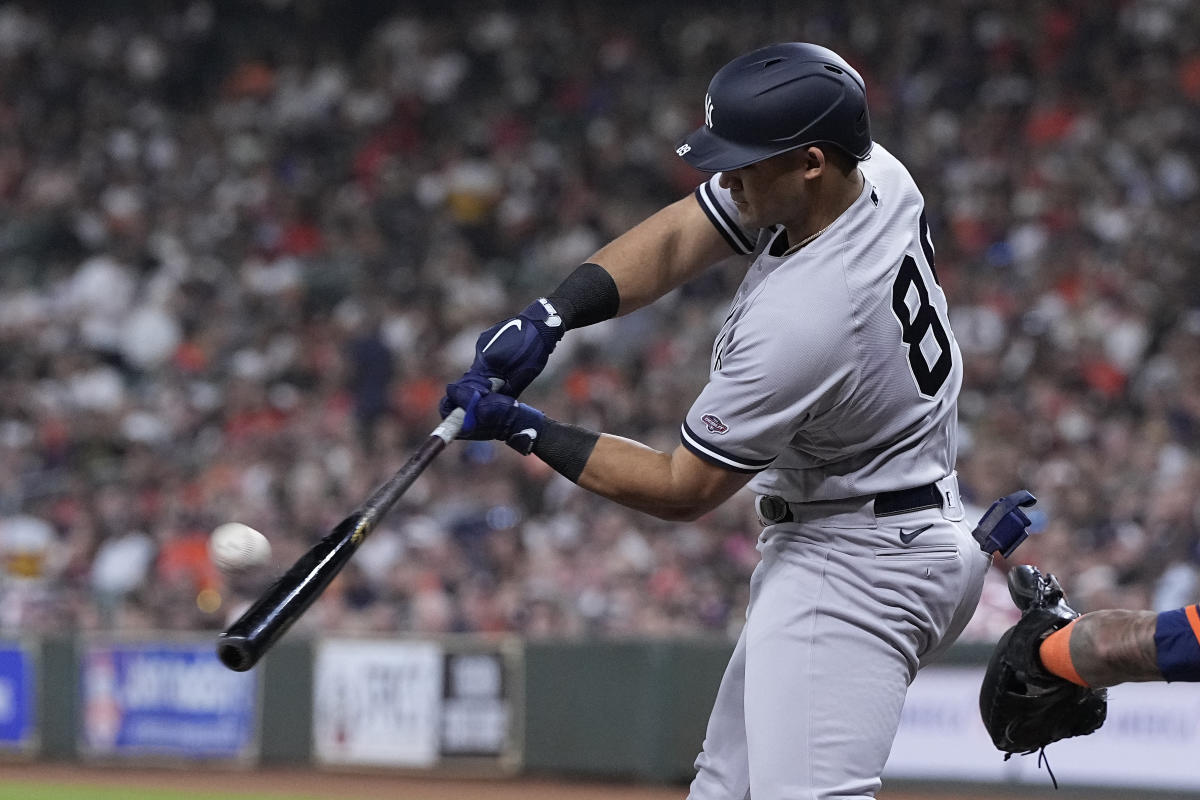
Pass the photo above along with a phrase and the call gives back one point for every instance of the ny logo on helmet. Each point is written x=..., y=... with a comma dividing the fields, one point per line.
x=708, y=109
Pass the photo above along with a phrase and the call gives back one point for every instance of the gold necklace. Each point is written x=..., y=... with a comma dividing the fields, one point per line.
x=805, y=241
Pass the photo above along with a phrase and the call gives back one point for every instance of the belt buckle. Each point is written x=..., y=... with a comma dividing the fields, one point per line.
x=772, y=509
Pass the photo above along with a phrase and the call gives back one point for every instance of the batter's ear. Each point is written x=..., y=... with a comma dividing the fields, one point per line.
x=814, y=161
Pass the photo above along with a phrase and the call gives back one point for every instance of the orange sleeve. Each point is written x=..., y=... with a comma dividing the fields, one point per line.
x=1055, y=652
x=1193, y=618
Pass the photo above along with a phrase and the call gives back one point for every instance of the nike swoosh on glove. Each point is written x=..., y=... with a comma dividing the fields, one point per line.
x=517, y=349
x=497, y=416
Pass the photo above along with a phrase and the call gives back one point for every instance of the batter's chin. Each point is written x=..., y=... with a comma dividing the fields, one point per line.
x=748, y=219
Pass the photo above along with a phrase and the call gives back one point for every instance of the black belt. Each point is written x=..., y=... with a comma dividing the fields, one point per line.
x=775, y=509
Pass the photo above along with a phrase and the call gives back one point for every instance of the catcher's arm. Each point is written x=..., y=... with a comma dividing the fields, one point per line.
x=1114, y=646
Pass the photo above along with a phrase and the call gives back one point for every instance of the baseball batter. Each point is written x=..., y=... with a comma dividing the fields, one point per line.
x=832, y=393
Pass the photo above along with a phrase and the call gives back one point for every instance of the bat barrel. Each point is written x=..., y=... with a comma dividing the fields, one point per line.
x=241, y=646
x=244, y=642
x=236, y=652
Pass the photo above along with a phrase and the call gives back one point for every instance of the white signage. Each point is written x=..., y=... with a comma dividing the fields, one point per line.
x=475, y=714
x=377, y=702
x=1149, y=740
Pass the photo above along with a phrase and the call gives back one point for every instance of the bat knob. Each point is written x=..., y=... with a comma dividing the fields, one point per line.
x=236, y=653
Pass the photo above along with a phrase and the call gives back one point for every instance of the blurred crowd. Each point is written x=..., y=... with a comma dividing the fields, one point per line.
x=244, y=246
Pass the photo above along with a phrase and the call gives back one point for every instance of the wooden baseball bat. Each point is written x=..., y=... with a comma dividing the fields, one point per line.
x=246, y=640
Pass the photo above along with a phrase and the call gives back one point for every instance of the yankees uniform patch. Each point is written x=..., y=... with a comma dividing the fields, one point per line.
x=835, y=373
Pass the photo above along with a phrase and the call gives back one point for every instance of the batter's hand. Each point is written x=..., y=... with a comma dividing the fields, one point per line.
x=496, y=416
x=516, y=350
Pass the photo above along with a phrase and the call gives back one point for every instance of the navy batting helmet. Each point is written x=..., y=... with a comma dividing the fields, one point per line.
x=775, y=99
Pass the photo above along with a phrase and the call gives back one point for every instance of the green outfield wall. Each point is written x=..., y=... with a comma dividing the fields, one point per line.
x=633, y=709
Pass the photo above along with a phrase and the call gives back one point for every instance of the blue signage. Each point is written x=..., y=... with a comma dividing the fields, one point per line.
x=16, y=697
x=166, y=699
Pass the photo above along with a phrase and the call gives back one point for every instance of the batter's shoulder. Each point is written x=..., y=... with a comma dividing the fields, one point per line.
x=887, y=172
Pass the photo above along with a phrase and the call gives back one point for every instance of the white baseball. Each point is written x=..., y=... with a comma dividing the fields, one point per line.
x=235, y=547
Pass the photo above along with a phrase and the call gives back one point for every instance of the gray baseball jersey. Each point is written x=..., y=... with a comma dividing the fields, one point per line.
x=835, y=373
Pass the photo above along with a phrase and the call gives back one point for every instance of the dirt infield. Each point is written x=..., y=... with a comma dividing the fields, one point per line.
x=304, y=783
x=335, y=786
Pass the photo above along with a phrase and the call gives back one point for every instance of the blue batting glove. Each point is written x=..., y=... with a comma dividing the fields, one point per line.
x=514, y=351
x=462, y=394
x=517, y=349
x=498, y=416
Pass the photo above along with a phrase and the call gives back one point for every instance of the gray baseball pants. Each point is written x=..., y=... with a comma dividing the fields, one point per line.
x=842, y=614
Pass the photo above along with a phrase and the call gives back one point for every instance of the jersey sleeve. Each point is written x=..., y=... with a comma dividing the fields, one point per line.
x=722, y=212
x=773, y=378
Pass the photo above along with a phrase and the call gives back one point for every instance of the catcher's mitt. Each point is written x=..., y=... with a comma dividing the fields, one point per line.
x=1025, y=707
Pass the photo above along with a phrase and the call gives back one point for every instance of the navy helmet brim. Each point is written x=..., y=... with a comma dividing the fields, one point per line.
x=708, y=152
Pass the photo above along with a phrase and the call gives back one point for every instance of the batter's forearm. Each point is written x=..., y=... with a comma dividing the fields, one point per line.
x=661, y=253
x=674, y=486
x=634, y=475
x=678, y=486
x=622, y=470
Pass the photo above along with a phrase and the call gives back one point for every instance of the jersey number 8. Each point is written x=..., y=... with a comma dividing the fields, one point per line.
x=916, y=325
